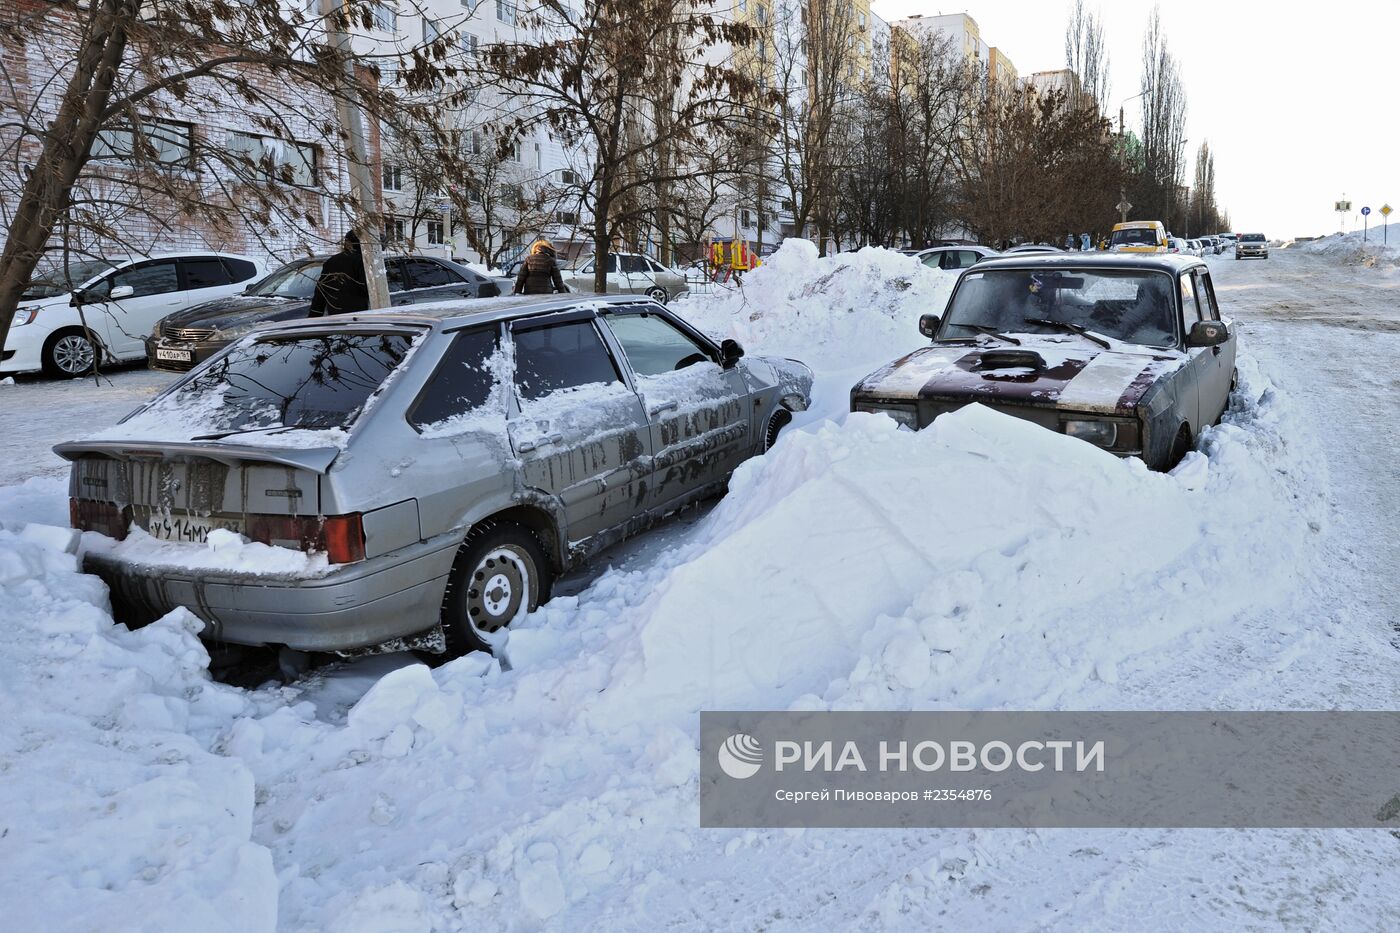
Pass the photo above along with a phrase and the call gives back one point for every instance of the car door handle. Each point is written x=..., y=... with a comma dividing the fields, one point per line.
x=543, y=441
x=664, y=406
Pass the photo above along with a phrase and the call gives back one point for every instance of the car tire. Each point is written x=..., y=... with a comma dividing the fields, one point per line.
x=657, y=294
x=1181, y=446
x=70, y=353
x=500, y=574
x=781, y=419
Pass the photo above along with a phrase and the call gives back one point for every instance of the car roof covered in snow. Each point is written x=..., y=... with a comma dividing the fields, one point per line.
x=460, y=312
x=1158, y=262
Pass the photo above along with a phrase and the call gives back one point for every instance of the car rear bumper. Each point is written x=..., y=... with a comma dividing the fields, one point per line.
x=357, y=606
x=199, y=352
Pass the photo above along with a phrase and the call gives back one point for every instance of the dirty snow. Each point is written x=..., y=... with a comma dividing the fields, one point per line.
x=980, y=564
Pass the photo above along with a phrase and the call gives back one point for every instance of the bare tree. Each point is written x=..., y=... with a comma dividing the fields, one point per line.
x=1158, y=190
x=93, y=156
x=588, y=73
x=1086, y=54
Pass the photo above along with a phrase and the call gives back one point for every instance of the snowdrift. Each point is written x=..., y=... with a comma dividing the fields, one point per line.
x=1351, y=249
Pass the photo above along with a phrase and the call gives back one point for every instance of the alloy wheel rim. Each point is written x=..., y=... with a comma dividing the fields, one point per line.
x=73, y=354
x=502, y=587
x=657, y=294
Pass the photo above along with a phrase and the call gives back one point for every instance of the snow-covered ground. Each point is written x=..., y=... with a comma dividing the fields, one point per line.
x=980, y=564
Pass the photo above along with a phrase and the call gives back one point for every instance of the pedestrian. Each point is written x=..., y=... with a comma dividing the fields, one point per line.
x=341, y=287
x=539, y=273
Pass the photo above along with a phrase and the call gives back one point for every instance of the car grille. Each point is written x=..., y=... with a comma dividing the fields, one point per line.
x=186, y=333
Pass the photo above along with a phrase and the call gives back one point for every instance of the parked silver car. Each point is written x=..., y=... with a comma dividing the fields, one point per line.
x=448, y=461
x=628, y=274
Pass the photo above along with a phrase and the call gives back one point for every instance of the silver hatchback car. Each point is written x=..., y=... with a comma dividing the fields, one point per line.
x=440, y=465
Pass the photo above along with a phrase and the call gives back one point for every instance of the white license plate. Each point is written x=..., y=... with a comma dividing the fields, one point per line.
x=179, y=356
x=189, y=529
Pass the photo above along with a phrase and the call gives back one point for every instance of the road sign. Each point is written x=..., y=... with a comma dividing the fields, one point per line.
x=1365, y=212
x=1342, y=207
x=1123, y=207
x=1385, y=210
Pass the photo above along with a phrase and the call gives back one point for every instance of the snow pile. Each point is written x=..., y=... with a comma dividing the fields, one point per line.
x=116, y=815
x=1352, y=249
x=826, y=310
x=224, y=550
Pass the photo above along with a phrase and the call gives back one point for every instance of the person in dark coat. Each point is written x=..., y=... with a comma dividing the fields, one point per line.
x=539, y=273
x=342, y=288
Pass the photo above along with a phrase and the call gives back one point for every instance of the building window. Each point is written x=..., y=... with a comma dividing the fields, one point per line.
x=539, y=157
x=388, y=71
x=434, y=233
x=432, y=29
x=162, y=141
x=291, y=163
x=393, y=178
x=386, y=18
x=471, y=45
x=470, y=5
x=505, y=11
x=569, y=218
x=568, y=176
x=745, y=219
x=393, y=230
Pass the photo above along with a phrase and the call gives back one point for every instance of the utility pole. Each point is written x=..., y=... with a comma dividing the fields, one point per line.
x=1123, y=204
x=352, y=123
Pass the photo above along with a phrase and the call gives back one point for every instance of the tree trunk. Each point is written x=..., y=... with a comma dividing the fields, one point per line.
x=49, y=188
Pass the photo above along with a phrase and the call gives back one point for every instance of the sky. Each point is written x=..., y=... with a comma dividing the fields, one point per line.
x=1294, y=99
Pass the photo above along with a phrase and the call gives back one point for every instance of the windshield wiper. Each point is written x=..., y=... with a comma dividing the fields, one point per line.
x=990, y=332
x=218, y=436
x=1073, y=328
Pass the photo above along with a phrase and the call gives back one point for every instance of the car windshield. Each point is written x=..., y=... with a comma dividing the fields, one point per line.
x=312, y=382
x=1252, y=237
x=62, y=281
x=1134, y=236
x=1132, y=305
x=296, y=280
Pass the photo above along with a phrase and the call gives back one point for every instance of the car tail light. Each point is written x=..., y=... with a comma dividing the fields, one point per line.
x=341, y=537
x=103, y=517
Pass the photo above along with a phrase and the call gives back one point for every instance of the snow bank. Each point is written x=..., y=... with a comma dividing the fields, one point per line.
x=1351, y=249
x=116, y=814
x=225, y=550
x=825, y=310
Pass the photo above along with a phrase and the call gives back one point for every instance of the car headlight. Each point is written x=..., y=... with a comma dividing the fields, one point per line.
x=906, y=415
x=1098, y=433
x=24, y=316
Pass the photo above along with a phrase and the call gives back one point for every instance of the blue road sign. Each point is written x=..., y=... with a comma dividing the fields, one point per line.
x=1365, y=211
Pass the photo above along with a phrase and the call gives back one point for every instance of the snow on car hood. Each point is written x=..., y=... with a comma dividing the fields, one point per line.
x=1068, y=372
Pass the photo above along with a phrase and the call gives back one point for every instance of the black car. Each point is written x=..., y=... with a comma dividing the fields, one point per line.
x=188, y=337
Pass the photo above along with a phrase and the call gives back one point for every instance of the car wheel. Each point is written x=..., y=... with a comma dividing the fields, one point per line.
x=657, y=294
x=69, y=353
x=1180, y=447
x=500, y=575
x=781, y=419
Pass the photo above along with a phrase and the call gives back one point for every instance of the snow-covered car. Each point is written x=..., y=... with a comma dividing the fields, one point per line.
x=628, y=274
x=1033, y=248
x=75, y=316
x=1127, y=352
x=424, y=473
x=188, y=337
x=954, y=257
x=1252, y=244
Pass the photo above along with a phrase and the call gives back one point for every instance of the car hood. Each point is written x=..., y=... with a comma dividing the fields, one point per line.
x=1052, y=371
x=238, y=313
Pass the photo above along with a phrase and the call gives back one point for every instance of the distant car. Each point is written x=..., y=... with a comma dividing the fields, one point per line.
x=953, y=257
x=187, y=338
x=1033, y=248
x=1227, y=240
x=445, y=463
x=628, y=274
x=1176, y=244
x=1252, y=244
x=1138, y=236
x=71, y=318
x=1126, y=352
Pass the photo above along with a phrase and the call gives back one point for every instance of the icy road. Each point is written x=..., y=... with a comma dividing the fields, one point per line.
x=560, y=792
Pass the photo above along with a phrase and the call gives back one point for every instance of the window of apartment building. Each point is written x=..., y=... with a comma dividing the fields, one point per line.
x=432, y=29
x=292, y=163
x=386, y=18
x=470, y=5
x=476, y=142
x=393, y=177
x=861, y=18
x=743, y=5
x=762, y=13
x=434, y=232
x=787, y=205
x=745, y=219
x=165, y=141
x=393, y=230
x=388, y=71
x=539, y=157
x=505, y=11
x=568, y=176
x=569, y=218
x=471, y=45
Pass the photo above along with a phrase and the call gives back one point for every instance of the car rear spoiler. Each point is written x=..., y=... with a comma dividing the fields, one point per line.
x=314, y=459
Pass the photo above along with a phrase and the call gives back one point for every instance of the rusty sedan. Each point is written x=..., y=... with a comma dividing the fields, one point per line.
x=1129, y=353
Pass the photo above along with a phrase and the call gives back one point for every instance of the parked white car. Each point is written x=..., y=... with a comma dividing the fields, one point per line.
x=638, y=275
x=68, y=316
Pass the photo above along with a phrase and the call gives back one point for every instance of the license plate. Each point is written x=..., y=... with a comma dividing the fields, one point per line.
x=188, y=529
x=179, y=356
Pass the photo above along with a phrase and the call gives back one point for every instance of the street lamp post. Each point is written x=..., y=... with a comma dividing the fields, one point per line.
x=1123, y=204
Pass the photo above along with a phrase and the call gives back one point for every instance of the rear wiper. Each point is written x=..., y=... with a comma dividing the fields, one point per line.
x=990, y=332
x=1072, y=328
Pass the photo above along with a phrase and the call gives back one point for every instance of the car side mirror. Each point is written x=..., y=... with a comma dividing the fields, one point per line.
x=928, y=324
x=1207, y=334
x=730, y=352
x=121, y=291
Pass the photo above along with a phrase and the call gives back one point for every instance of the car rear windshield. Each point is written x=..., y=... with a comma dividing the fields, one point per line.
x=1132, y=305
x=1134, y=236
x=1252, y=237
x=312, y=382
